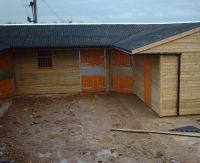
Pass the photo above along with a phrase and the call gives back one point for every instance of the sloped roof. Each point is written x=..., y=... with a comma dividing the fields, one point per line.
x=154, y=35
x=3, y=47
x=122, y=36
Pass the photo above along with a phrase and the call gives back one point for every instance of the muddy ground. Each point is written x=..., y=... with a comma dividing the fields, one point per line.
x=76, y=129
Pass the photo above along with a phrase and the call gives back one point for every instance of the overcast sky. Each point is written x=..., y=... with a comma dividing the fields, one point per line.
x=103, y=11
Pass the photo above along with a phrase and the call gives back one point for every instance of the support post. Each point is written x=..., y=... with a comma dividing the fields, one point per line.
x=35, y=11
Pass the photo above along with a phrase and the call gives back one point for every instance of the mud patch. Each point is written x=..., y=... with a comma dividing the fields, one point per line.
x=76, y=129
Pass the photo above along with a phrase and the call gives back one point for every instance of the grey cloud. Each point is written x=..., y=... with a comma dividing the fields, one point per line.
x=122, y=11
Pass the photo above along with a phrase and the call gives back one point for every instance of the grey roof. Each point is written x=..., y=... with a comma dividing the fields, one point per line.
x=3, y=47
x=153, y=35
x=122, y=36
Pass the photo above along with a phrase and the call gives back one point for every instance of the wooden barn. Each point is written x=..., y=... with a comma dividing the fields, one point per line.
x=159, y=63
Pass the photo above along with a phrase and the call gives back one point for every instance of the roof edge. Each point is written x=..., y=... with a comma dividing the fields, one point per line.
x=166, y=40
x=137, y=23
x=121, y=49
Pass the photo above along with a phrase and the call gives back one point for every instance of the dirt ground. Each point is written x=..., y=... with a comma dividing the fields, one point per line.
x=76, y=129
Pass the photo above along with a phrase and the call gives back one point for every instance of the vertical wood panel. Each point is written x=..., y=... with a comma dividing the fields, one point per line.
x=6, y=80
x=93, y=84
x=92, y=63
x=139, y=77
x=6, y=89
x=121, y=58
x=92, y=57
x=156, y=84
x=122, y=76
x=148, y=80
x=6, y=61
x=108, y=82
x=169, y=67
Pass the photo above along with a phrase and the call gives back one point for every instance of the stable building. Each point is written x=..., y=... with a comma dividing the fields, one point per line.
x=159, y=63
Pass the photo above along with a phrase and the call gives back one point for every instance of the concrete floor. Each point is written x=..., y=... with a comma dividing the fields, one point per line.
x=76, y=129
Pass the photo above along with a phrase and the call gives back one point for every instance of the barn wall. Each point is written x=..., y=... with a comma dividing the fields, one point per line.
x=6, y=76
x=189, y=47
x=63, y=77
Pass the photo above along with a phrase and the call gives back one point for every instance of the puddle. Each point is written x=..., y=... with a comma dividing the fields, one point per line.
x=105, y=154
x=78, y=160
x=63, y=161
x=44, y=155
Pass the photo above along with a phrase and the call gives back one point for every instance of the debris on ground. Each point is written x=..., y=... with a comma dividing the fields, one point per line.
x=154, y=132
x=186, y=129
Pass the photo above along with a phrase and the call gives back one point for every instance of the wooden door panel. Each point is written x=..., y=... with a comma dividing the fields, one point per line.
x=122, y=84
x=6, y=76
x=121, y=58
x=6, y=89
x=92, y=70
x=93, y=83
x=92, y=57
x=6, y=61
x=122, y=78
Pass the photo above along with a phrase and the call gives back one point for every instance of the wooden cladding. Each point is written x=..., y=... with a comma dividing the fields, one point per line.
x=6, y=88
x=6, y=76
x=93, y=83
x=169, y=77
x=92, y=68
x=121, y=59
x=148, y=60
x=147, y=80
x=122, y=73
x=6, y=61
x=189, y=49
x=63, y=77
x=92, y=57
